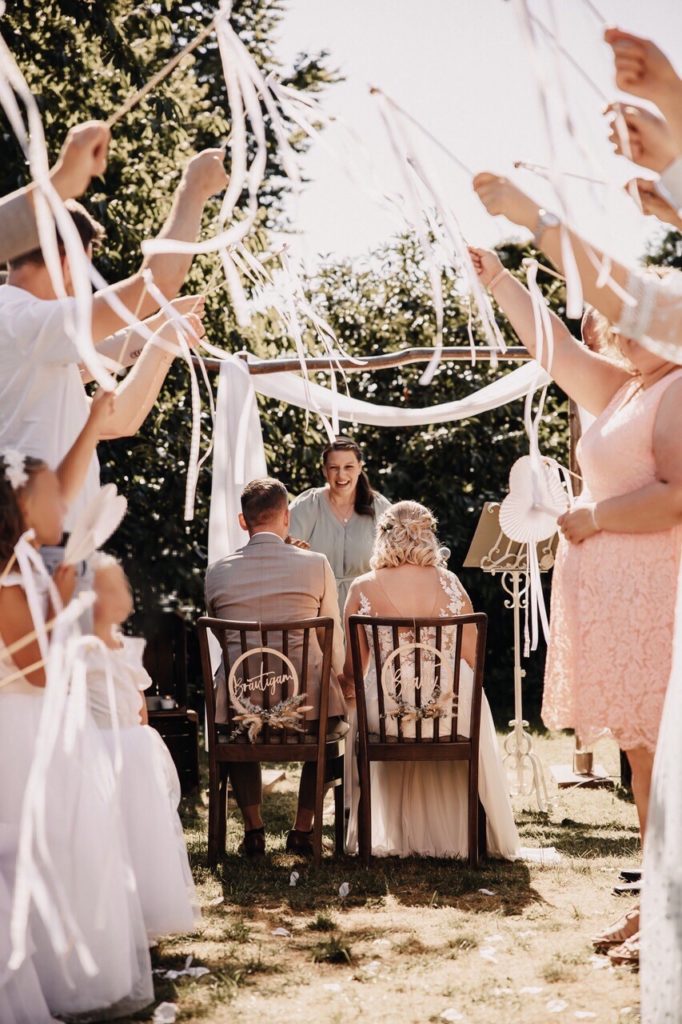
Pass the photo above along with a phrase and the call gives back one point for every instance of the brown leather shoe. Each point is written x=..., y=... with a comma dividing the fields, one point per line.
x=253, y=843
x=300, y=843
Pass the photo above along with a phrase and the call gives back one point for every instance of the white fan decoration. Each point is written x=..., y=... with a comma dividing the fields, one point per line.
x=539, y=492
x=96, y=523
x=537, y=497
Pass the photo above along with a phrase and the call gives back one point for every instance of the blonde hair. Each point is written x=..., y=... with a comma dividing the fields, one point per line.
x=406, y=535
x=600, y=335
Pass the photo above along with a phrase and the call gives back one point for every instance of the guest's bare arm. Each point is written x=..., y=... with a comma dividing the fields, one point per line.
x=655, y=507
x=500, y=196
x=588, y=378
x=649, y=141
x=653, y=203
x=203, y=177
x=73, y=468
x=643, y=70
x=137, y=393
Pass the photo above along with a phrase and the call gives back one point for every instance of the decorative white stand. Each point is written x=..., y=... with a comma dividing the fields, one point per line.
x=493, y=552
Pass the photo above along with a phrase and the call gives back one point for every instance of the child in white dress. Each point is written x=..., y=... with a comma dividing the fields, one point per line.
x=148, y=784
x=84, y=931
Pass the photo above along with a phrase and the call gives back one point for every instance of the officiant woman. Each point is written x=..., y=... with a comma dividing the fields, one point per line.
x=339, y=519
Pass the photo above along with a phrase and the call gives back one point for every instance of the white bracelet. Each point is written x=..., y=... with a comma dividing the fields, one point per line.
x=497, y=278
x=593, y=513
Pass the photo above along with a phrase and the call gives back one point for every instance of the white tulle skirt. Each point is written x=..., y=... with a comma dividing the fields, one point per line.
x=420, y=808
x=21, y=997
x=149, y=794
x=90, y=860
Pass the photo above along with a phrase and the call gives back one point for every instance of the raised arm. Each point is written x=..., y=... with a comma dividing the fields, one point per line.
x=643, y=70
x=73, y=468
x=83, y=156
x=589, y=379
x=137, y=393
x=662, y=319
x=203, y=177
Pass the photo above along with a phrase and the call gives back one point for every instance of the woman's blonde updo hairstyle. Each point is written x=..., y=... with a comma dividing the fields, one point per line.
x=406, y=535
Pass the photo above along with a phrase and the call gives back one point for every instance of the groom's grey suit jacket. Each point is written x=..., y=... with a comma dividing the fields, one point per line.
x=270, y=581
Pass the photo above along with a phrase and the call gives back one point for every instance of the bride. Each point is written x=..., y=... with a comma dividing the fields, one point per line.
x=421, y=807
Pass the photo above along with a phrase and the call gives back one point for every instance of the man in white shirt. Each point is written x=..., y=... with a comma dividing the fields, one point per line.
x=43, y=403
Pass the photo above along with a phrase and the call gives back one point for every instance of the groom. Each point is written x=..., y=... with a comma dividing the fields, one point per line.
x=271, y=580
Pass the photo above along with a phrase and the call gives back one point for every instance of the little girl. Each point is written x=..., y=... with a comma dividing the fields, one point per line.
x=103, y=961
x=148, y=784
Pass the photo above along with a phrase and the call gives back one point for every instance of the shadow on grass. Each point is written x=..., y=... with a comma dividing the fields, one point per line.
x=580, y=839
x=413, y=881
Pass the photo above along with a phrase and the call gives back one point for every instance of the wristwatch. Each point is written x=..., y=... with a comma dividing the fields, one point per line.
x=545, y=220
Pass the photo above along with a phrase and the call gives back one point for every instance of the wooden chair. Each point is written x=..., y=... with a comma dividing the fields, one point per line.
x=273, y=745
x=449, y=746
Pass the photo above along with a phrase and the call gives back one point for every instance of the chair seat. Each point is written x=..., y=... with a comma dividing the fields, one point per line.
x=292, y=739
x=374, y=737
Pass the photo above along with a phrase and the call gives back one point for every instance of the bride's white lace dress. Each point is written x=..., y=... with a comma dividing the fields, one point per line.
x=421, y=808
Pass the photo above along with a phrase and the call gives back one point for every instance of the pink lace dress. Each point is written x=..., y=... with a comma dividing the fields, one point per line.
x=613, y=596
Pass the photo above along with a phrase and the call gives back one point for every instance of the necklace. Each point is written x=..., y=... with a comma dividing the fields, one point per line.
x=339, y=513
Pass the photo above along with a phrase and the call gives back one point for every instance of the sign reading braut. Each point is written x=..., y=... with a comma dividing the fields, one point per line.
x=400, y=667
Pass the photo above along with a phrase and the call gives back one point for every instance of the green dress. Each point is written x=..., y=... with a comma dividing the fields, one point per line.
x=348, y=548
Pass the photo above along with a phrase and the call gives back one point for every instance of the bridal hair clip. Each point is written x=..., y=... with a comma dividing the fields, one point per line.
x=386, y=526
x=15, y=470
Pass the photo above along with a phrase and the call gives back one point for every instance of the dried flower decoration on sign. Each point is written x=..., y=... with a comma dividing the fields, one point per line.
x=287, y=714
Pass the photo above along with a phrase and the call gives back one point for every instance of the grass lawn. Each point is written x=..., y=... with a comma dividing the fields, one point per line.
x=415, y=940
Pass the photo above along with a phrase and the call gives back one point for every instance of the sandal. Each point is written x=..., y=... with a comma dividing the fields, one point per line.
x=626, y=953
x=620, y=932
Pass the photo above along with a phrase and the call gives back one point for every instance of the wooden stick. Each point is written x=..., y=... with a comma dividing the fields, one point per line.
x=425, y=131
x=544, y=171
x=166, y=70
x=389, y=359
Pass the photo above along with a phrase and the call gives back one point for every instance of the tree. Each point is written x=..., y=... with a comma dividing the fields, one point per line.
x=453, y=468
x=81, y=60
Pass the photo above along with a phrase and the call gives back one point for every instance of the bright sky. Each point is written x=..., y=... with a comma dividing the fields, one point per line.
x=460, y=67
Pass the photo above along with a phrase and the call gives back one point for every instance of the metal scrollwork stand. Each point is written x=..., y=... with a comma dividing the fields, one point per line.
x=493, y=552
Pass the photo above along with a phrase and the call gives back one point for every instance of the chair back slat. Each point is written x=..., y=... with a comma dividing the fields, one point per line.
x=417, y=681
x=447, y=631
x=454, y=728
x=252, y=637
x=437, y=680
x=380, y=689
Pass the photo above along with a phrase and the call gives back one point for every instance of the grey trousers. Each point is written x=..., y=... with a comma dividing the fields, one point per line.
x=247, y=782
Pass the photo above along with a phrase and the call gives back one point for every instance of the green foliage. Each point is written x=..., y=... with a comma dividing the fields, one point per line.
x=83, y=59
x=384, y=305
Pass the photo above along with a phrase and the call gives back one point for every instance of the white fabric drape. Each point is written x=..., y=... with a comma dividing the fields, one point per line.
x=287, y=387
x=239, y=455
